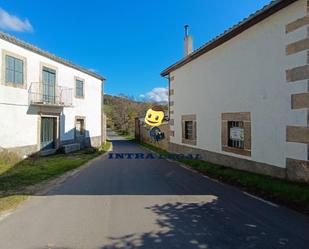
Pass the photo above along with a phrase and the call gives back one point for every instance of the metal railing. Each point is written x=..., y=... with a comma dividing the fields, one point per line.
x=46, y=94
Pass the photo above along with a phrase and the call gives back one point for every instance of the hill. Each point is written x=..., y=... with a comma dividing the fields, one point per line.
x=121, y=112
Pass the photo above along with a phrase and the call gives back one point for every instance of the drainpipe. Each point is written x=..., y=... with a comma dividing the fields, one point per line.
x=168, y=94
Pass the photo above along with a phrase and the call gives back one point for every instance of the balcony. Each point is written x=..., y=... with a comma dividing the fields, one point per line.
x=42, y=94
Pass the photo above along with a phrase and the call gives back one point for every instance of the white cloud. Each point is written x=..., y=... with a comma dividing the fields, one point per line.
x=158, y=94
x=13, y=23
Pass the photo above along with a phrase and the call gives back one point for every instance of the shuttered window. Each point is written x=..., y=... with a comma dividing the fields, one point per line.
x=189, y=130
x=189, y=133
x=14, y=70
x=79, y=87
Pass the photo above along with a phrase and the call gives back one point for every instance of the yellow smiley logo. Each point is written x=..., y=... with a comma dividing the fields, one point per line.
x=154, y=116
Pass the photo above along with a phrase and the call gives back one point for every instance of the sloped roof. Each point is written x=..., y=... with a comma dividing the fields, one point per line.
x=32, y=48
x=243, y=25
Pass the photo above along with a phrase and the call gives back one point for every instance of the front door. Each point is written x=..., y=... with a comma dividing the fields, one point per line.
x=49, y=88
x=48, y=133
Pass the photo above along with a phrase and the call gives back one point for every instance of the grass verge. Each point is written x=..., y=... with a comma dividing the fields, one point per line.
x=292, y=194
x=16, y=178
x=11, y=202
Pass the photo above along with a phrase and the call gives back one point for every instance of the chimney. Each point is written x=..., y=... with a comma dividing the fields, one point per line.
x=188, y=42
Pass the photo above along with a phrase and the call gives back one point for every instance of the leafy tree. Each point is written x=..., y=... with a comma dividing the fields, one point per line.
x=122, y=110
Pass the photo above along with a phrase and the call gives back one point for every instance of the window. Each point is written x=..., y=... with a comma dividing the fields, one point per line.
x=79, y=88
x=14, y=70
x=80, y=127
x=236, y=133
x=189, y=129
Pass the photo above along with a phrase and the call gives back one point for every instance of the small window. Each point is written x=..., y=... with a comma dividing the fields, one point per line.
x=188, y=126
x=236, y=134
x=14, y=70
x=79, y=86
x=80, y=127
x=189, y=130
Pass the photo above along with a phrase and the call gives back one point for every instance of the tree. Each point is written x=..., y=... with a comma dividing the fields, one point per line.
x=122, y=110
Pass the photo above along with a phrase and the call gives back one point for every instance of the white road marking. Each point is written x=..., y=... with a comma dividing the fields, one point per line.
x=195, y=171
x=215, y=180
x=4, y=215
x=250, y=225
x=260, y=199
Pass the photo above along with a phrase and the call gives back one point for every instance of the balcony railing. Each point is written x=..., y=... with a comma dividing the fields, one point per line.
x=50, y=95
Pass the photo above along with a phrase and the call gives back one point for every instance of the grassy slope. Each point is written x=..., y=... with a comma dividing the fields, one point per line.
x=292, y=194
x=15, y=178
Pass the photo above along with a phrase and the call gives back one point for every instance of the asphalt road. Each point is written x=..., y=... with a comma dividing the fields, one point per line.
x=145, y=204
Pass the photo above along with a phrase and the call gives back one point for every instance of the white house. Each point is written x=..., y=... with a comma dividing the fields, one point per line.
x=45, y=101
x=241, y=100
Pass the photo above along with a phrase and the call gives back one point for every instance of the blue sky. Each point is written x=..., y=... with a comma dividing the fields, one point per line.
x=129, y=42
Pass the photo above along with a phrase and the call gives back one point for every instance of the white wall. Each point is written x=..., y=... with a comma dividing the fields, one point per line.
x=246, y=74
x=17, y=128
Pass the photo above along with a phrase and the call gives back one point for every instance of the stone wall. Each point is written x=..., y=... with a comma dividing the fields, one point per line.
x=230, y=161
x=142, y=134
x=298, y=170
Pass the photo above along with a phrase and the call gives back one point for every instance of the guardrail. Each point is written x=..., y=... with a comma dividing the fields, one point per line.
x=46, y=94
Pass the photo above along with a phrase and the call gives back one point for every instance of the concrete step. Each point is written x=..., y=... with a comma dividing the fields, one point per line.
x=47, y=152
x=68, y=148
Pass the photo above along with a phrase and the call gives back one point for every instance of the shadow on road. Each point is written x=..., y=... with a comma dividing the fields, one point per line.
x=153, y=204
x=198, y=226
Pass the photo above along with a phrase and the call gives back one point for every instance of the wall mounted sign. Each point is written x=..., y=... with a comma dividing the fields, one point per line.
x=237, y=133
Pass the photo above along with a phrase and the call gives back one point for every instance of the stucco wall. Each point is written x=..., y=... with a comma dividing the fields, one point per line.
x=19, y=121
x=246, y=74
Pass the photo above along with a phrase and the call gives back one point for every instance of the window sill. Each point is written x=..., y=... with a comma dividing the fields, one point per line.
x=188, y=141
x=15, y=85
x=242, y=152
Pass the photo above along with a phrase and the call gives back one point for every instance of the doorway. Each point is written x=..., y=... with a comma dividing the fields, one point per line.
x=49, y=85
x=48, y=133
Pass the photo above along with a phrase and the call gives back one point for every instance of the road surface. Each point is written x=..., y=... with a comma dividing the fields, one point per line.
x=145, y=204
